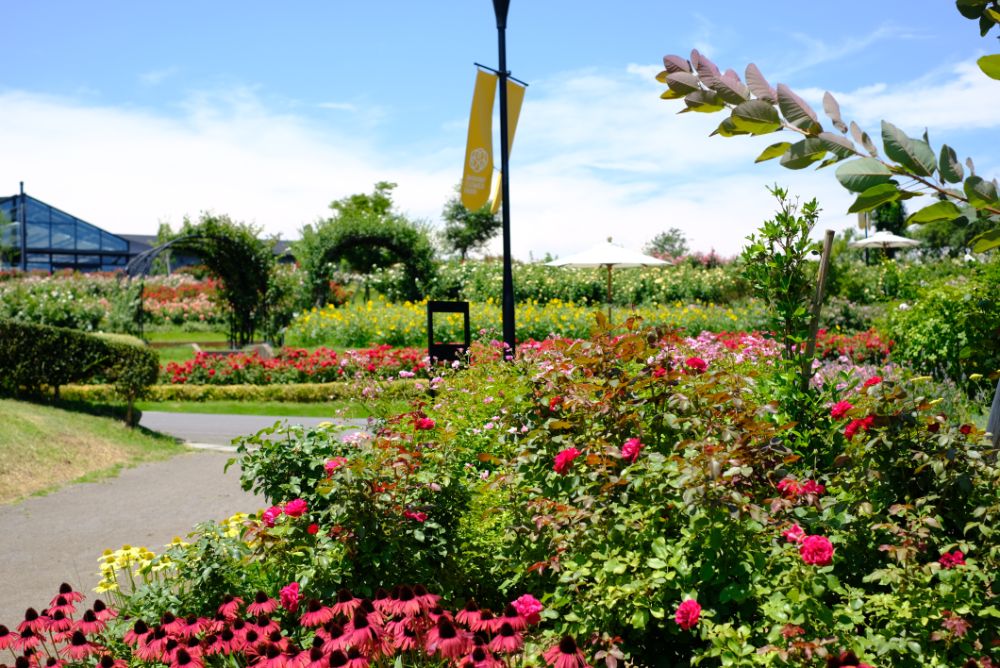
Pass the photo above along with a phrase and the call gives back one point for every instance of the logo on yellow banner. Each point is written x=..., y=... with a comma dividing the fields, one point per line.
x=479, y=145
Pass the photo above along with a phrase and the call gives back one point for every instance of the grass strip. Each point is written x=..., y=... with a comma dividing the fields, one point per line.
x=43, y=448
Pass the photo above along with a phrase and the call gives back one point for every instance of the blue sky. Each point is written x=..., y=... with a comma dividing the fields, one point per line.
x=129, y=114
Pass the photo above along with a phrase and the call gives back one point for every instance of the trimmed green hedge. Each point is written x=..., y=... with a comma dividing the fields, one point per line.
x=34, y=357
x=298, y=392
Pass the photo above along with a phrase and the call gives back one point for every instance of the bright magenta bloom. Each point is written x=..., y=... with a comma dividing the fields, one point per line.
x=296, y=508
x=334, y=464
x=687, y=614
x=696, y=364
x=860, y=423
x=528, y=607
x=794, y=534
x=840, y=409
x=290, y=596
x=952, y=559
x=564, y=459
x=816, y=550
x=418, y=516
x=424, y=423
x=271, y=516
x=874, y=380
x=631, y=449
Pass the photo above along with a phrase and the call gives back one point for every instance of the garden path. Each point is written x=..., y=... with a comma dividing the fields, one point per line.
x=45, y=541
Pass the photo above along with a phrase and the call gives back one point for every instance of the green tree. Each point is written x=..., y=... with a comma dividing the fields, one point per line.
x=668, y=245
x=757, y=108
x=234, y=253
x=364, y=234
x=10, y=253
x=466, y=230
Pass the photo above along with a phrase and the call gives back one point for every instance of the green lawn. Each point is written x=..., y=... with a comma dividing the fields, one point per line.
x=43, y=448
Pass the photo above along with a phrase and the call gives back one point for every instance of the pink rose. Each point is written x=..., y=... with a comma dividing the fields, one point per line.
x=816, y=550
x=424, y=423
x=696, y=364
x=840, y=409
x=874, y=380
x=417, y=516
x=271, y=515
x=687, y=614
x=794, y=534
x=334, y=464
x=290, y=596
x=528, y=607
x=296, y=508
x=952, y=559
x=631, y=449
x=564, y=459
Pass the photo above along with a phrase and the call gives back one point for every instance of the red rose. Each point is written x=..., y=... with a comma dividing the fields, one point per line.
x=840, y=409
x=564, y=459
x=965, y=428
x=816, y=550
x=696, y=364
x=687, y=614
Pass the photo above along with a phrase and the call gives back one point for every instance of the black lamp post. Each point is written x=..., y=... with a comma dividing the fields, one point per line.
x=507, y=309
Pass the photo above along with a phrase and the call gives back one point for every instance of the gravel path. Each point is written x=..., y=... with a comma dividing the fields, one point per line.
x=45, y=541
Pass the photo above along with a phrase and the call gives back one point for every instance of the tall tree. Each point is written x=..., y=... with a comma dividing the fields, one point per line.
x=668, y=245
x=465, y=230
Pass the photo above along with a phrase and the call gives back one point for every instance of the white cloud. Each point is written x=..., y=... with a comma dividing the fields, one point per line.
x=597, y=153
x=156, y=77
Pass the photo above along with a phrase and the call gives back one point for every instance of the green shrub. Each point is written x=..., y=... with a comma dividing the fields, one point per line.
x=952, y=327
x=33, y=357
x=298, y=392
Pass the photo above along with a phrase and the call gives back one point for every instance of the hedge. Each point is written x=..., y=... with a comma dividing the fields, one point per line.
x=34, y=357
x=298, y=392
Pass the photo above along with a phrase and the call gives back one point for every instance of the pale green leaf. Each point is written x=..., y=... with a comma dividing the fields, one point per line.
x=875, y=197
x=727, y=128
x=773, y=151
x=986, y=241
x=990, y=65
x=981, y=193
x=842, y=147
x=913, y=154
x=756, y=117
x=861, y=174
x=704, y=101
x=944, y=210
x=803, y=153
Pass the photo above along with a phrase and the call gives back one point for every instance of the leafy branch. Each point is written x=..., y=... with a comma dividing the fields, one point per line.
x=910, y=167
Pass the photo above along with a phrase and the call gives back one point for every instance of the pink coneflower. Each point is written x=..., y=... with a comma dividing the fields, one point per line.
x=406, y=602
x=108, y=661
x=210, y=645
x=405, y=639
x=249, y=638
x=345, y=603
x=510, y=616
x=226, y=641
x=53, y=662
x=481, y=657
x=271, y=656
x=170, y=623
x=373, y=613
x=262, y=605
x=27, y=639
x=148, y=648
x=60, y=623
x=264, y=625
x=333, y=636
x=316, y=614
x=90, y=624
x=426, y=599
x=32, y=621
x=183, y=659
x=362, y=631
x=485, y=621
x=507, y=640
x=469, y=613
x=338, y=659
x=170, y=647
x=230, y=606
x=61, y=604
x=134, y=634
x=314, y=657
x=355, y=659
x=78, y=648
x=443, y=638
x=565, y=655
x=66, y=591
x=382, y=602
x=103, y=612
x=7, y=637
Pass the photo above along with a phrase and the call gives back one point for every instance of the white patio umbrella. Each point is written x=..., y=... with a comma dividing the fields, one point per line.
x=607, y=255
x=883, y=240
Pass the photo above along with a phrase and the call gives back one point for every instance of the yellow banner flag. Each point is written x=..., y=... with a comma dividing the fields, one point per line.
x=479, y=145
x=515, y=96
